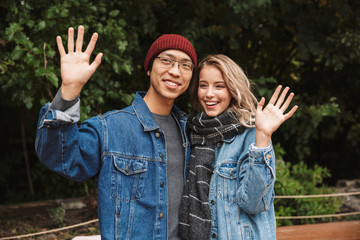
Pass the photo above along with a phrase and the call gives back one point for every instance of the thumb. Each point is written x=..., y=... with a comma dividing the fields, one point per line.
x=97, y=61
x=260, y=104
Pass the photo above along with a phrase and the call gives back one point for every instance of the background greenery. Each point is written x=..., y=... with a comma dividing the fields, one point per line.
x=313, y=46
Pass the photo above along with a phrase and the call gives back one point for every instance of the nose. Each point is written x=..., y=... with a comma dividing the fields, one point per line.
x=209, y=93
x=175, y=69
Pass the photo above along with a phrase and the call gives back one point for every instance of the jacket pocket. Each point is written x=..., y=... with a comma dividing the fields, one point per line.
x=247, y=233
x=128, y=178
x=227, y=181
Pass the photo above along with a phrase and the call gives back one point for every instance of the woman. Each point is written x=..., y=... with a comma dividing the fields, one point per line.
x=229, y=191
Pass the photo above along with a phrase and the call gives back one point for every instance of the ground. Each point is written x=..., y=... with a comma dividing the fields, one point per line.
x=35, y=217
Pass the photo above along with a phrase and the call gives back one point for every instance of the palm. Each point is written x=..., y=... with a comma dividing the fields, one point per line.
x=268, y=119
x=75, y=68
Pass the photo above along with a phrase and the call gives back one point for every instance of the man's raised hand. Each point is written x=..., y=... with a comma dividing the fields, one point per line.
x=76, y=69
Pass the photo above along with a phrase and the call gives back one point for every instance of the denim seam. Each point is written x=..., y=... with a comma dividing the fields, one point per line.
x=133, y=157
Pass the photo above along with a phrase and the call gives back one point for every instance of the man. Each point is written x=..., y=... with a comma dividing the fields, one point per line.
x=138, y=154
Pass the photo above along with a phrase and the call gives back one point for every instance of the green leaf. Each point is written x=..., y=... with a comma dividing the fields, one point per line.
x=116, y=67
x=127, y=68
x=12, y=29
x=40, y=26
x=17, y=53
x=53, y=79
x=28, y=102
x=23, y=40
x=114, y=13
x=51, y=76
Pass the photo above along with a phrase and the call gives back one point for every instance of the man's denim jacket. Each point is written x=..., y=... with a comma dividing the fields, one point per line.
x=125, y=151
x=242, y=190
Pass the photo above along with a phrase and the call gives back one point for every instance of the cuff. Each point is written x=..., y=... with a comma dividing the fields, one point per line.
x=61, y=104
x=258, y=149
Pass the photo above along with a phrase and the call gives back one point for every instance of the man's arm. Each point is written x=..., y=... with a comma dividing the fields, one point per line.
x=62, y=146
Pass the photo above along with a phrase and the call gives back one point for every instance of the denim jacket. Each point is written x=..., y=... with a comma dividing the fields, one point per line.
x=124, y=150
x=241, y=190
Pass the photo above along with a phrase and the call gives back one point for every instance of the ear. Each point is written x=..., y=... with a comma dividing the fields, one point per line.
x=148, y=73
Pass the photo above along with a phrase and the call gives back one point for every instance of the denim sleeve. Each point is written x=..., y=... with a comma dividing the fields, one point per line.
x=71, y=151
x=256, y=180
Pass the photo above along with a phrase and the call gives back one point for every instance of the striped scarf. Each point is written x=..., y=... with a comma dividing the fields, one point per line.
x=206, y=132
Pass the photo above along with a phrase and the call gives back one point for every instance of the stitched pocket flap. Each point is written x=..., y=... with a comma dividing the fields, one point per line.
x=227, y=170
x=130, y=166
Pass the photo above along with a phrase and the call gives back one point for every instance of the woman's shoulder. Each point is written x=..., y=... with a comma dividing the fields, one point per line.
x=247, y=137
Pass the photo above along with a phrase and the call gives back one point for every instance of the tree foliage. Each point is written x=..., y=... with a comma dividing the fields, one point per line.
x=310, y=45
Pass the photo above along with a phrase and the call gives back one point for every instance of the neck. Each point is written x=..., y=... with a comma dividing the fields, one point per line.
x=157, y=104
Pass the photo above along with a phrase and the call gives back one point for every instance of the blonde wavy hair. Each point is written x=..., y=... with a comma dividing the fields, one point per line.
x=243, y=102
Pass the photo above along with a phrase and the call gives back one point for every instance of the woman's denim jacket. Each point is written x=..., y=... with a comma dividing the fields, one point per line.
x=124, y=150
x=241, y=190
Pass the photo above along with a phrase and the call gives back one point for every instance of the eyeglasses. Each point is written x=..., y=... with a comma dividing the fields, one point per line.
x=169, y=63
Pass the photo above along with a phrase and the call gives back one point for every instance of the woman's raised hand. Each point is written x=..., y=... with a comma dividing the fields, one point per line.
x=75, y=67
x=268, y=119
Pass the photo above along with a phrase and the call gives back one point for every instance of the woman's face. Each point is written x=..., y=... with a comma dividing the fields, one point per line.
x=213, y=93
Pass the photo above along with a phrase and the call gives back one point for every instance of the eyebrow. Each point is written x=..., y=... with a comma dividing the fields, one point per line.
x=172, y=56
x=203, y=80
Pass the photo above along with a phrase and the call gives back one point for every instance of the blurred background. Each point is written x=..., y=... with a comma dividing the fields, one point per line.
x=312, y=46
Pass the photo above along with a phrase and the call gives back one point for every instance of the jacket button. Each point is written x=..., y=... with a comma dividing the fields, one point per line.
x=161, y=215
x=212, y=202
x=127, y=168
x=214, y=235
x=157, y=134
x=162, y=184
x=161, y=155
x=218, y=144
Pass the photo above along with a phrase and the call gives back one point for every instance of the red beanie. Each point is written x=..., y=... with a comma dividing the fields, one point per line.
x=169, y=41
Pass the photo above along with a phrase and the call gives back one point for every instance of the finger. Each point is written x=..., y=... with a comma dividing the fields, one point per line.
x=70, y=40
x=80, y=39
x=282, y=97
x=275, y=95
x=90, y=47
x=287, y=102
x=60, y=46
x=260, y=104
x=290, y=113
x=94, y=65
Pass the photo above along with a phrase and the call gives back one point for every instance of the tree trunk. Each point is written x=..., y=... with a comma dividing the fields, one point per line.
x=25, y=152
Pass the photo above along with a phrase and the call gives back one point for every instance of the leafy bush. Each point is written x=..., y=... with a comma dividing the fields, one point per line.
x=299, y=179
x=57, y=215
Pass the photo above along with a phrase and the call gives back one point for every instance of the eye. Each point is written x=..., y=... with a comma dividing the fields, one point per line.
x=220, y=86
x=165, y=60
x=202, y=85
x=186, y=66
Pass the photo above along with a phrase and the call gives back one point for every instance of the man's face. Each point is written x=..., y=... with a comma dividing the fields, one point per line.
x=168, y=81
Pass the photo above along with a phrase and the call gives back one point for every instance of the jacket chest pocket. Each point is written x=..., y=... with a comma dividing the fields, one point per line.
x=227, y=184
x=128, y=178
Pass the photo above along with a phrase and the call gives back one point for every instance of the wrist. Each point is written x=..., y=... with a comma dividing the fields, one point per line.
x=262, y=140
x=70, y=92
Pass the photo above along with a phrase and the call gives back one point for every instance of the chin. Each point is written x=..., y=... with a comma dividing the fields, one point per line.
x=211, y=114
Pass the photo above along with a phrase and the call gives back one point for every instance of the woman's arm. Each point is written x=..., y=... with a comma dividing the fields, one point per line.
x=256, y=179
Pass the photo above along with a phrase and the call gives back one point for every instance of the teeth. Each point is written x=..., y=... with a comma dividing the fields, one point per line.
x=171, y=83
x=210, y=103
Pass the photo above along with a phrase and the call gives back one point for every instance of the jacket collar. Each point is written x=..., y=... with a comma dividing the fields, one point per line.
x=145, y=116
